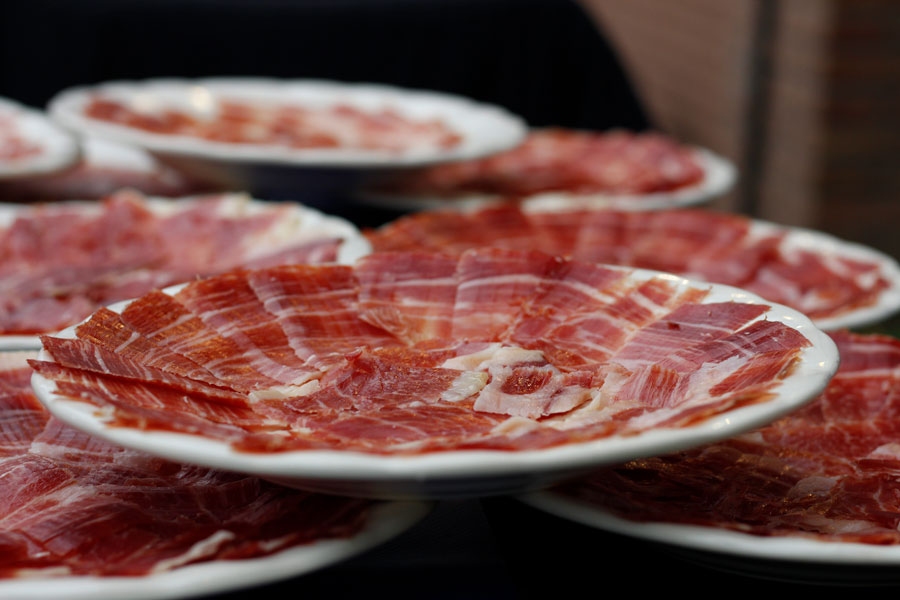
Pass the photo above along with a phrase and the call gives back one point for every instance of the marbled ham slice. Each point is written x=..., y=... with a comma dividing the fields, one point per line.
x=59, y=262
x=167, y=322
x=412, y=353
x=827, y=471
x=75, y=505
x=720, y=248
x=316, y=308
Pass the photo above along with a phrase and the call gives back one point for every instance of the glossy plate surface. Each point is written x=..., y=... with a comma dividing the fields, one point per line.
x=385, y=522
x=460, y=473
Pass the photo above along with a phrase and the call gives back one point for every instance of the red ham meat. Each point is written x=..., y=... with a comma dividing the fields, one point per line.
x=562, y=160
x=59, y=262
x=414, y=352
x=697, y=244
x=828, y=471
x=71, y=504
x=289, y=126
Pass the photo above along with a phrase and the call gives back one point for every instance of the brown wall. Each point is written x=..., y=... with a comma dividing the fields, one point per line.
x=804, y=95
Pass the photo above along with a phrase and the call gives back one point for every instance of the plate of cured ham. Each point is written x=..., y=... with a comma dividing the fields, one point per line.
x=416, y=374
x=104, y=168
x=85, y=519
x=817, y=487
x=836, y=283
x=258, y=132
x=62, y=261
x=614, y=169
x=31, y=144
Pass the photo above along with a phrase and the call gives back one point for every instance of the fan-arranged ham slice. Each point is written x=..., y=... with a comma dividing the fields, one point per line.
x=563, y=160
x=415, y=352
x=59, y=262
x=822, y=283
x=71, y=504
x=827, y=471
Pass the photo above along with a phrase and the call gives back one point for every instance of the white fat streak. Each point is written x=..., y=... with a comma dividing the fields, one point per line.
x=500, y=281
x=470, y=362
x=466, y=384
x=283, y=392
x=134, y=335
x=495, y=355
x=515, y=426
x=201, y=549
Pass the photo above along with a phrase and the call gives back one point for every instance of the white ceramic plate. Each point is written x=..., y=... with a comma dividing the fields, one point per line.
x=719, y=176
x=719, y=541
x=484, y=129
x=385, y=522
x=471, y=472
x=299, y=224
x=57, y=148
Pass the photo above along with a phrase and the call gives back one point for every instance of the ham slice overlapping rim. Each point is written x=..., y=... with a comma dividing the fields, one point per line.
x=87, y=519
x=484, y=129
x=31, y=144
x=774, y=261
x=235, y=231
x=397, y=309
x=830, y=472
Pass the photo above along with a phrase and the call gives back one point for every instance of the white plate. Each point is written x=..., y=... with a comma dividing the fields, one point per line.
x=385, y=522
x=719, y=175
x=302, y=222
x=58, y=148
x=719, y=541
x=464, y=473
x=484, y=129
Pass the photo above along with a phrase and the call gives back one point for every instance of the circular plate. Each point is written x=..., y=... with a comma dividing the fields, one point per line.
x=484, y=129
x=460, y=473
x=298, y=223
x=385, y=522
x=53, y=149
x=719, y=176
x=791, y=558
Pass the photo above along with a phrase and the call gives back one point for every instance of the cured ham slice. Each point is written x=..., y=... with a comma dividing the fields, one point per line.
x=412, y=353
x=71, y=504
x=286, y=125
x=780, y=265
x=553, y=160
x=827, y=471
x=59, y=262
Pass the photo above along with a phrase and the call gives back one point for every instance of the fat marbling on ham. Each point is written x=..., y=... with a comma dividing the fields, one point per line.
x=71, y=504
x=415, y=352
